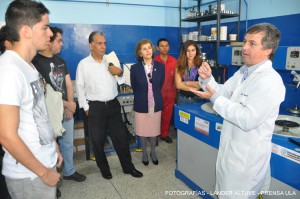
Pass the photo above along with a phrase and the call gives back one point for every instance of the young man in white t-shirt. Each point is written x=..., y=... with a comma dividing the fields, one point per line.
x=25, y=131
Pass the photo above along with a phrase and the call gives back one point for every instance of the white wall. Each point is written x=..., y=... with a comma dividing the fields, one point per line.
x=272, y=8
x=66, y=11
x=157, y=12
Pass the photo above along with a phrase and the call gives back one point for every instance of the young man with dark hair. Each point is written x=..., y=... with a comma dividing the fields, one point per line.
x=5, y=39
x=31, y=153
x=168, y=90
x=5, y=44
x=55, y=72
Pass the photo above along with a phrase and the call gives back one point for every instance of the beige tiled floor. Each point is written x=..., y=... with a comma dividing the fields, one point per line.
x=157, y=179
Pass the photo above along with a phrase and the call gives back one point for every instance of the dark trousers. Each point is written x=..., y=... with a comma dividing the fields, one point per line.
x=103, y=118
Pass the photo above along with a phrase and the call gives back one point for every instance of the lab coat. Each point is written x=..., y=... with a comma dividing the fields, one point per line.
x=249, y=109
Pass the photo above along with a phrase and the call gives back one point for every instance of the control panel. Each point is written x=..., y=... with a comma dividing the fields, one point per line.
x=237, y=59
x=125, y=99
x=293, y=58
x=126, y=102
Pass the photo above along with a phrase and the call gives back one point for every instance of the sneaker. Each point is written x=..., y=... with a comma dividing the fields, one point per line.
x=167, y=139
x=76, y=177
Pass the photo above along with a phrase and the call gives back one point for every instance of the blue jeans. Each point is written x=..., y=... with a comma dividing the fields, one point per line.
x=66, y=147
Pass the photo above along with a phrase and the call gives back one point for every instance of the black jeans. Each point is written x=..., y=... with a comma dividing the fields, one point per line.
x=103, y=118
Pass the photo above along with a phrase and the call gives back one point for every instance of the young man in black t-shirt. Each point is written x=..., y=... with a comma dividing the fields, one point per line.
x=55, y=72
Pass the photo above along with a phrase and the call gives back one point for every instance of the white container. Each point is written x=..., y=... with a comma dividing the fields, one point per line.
x=191, y=35
x=185, y=37
x=222, y=8
x=213, y=31
x=202, y=38
x=223, y=33
x=195, y=35
x=232, y=37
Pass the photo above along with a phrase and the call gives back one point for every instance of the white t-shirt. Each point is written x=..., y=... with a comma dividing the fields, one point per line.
x=20, y=86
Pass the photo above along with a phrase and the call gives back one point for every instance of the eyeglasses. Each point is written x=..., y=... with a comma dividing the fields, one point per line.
x=150, y=78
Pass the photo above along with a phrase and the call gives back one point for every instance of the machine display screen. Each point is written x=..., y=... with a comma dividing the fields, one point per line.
x=237, y=53
x=294, y=54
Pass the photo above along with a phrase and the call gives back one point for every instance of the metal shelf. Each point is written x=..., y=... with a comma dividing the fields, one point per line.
x=214, y=41
x=209, y=17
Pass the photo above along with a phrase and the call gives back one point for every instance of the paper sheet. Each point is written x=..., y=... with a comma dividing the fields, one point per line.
x=112, y=58
x=126, y=72
x=2, y=23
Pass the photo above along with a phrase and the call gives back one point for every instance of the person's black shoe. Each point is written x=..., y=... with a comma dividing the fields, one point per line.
x=167, y=139
x=154, y=161
x=58, y=193
x=145, y=163
x=107, y=175
x=135, y=173
x=76, y=177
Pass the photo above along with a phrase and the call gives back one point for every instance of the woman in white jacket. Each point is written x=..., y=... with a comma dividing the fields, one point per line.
x=249, y=103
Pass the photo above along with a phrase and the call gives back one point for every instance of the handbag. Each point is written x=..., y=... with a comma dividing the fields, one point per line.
x=55, y=108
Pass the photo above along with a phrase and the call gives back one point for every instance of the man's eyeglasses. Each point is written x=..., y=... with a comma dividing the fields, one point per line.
x=150, y=78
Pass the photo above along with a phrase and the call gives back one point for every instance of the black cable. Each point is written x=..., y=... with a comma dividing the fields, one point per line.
x=125, y=116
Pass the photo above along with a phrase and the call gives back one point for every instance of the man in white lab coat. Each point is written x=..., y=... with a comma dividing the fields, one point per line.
x=249, y=103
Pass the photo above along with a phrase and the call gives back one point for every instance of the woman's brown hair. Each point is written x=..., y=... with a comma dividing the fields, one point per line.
x=182, y=60
x=139, y=46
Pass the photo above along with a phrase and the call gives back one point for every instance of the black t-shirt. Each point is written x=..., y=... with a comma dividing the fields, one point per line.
x=54, y=71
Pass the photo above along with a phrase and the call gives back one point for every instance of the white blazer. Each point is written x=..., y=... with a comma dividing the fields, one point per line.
x=249, y=109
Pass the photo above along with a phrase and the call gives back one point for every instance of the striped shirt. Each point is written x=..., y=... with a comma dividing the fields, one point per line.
x=246, y=71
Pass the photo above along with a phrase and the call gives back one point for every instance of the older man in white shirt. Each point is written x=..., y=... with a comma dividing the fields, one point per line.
x=97, y=91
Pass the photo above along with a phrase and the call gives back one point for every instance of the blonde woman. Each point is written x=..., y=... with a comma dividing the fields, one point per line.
x=147, y=78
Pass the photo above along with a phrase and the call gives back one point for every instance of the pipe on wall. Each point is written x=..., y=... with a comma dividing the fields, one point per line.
x=246, y=20
x=202, y=4
x=113, y=3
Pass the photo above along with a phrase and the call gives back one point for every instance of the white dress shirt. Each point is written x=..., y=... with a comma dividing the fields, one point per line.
x=94, y=82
